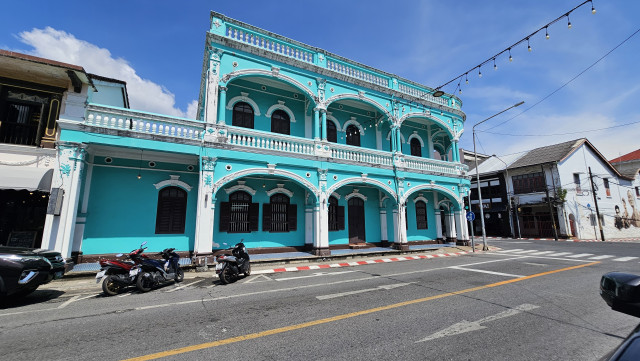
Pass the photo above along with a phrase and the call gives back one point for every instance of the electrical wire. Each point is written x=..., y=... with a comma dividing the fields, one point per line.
x=565, y=84
x=556, y=134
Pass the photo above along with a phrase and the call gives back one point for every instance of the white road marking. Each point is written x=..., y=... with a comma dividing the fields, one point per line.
x=535, y=264
x=602, y=257
x=510, y=250
x=541, y=253
x=317, y=274
x=484, y=271
x=183, y=286
x=349, y=293
x=525, y=251
x=256, y=278
x=580, y=255
x=468, y=326
x=74, y=299
x=624, y=259
x=559, y=254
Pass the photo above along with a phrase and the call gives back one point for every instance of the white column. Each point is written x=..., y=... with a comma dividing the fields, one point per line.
x=439, y=224
x=205, y=216
x=430, y=143
x=321, y=242
x=308, y=226
x=59, y=230
x=396, y=234
x=384, y=235
x=458, y=221
x=451, y=226
x=211, y=102
x=400, y=228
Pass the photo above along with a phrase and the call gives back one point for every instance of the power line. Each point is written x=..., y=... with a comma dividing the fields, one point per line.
x=555, y=134
x=565, y=84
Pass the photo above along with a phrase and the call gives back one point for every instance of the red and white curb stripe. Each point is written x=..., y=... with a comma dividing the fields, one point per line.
x=358, y=263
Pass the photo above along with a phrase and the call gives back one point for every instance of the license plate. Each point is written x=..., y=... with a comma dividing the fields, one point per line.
x=218, y=266
x=99, y=276
x=134, y=272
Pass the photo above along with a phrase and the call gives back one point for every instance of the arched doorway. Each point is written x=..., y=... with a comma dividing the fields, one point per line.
x=356, y=221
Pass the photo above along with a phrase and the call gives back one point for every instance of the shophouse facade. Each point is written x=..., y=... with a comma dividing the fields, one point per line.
x=293, y=148
x=34, y=94
x=570, y=190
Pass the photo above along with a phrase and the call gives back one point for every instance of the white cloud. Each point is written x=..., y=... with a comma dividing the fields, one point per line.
x=144, y=94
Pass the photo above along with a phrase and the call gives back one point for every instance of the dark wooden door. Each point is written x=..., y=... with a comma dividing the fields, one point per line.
x=356, y=221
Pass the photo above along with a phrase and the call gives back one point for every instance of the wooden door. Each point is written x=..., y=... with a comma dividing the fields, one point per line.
x=356, y=221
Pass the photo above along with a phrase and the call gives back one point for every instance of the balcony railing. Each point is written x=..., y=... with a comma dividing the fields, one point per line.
x=153, y=125
x=281, y=45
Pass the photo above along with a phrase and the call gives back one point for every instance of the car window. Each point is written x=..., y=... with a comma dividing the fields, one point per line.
x=632, y=351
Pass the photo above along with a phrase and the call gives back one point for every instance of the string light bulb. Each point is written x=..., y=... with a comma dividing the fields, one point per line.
x=568, y=21
x=479, y=72
x=546, y=30
x=528, y=45
x=466, y=79
x=510, y=57
x=593, y=10
x=495, y=67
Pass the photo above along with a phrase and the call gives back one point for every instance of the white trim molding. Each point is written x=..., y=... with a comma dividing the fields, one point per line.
x=269, y=74
x=370, y=181
x=334, y=120
x=244, y=97
x=241, y=186
x=362, y=98
x=336, y=195
x=281, y=106
x=280, y=189
x=401, y=137
x=173, y=181
x=355, y=193
x=420, y=197
x=355, y=122
x=415, y=135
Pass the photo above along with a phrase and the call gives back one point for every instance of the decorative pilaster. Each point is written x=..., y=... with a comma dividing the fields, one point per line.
x=213, y=77
x=309, y=226
x=221, y=107
x=439, y=225
x=59, y=229
x=321, y=219
x=206, y=208
x=324, y=124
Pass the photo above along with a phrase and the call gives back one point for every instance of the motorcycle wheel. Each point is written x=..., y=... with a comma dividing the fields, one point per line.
x=247, y=272
x=144, y=282
x=110, y=287
x=179, y=275
x=228, y=276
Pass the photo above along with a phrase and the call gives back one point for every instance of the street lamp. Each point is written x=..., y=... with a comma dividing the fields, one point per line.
x=484, y=237
x=506, y=180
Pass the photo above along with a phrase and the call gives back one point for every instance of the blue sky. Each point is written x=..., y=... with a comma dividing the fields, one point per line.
x=157, y=47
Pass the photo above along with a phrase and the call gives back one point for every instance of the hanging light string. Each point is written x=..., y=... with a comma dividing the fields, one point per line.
x=438, y=91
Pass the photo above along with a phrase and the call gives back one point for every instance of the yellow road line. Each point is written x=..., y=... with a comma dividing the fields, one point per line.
x=299, y=326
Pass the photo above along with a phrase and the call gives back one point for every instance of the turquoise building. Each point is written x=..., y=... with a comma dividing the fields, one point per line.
x=293, y=148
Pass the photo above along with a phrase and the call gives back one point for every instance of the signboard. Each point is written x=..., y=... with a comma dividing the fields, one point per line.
x=471, y=216
x=24, y=239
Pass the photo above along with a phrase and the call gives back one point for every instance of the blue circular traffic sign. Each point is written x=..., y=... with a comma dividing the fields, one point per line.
x=471, y=216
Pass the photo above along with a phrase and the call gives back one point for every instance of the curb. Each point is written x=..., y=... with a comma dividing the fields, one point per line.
x=359, y=263
x=569, y=240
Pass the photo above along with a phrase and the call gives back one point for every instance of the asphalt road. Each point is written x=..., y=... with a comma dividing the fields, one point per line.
x=514, y=304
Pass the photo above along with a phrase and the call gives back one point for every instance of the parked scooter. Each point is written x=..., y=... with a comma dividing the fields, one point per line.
x=117, y=275
x=156, y=272
x=229, y=266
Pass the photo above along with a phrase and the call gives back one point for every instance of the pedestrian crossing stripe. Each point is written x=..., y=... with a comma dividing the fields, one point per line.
x=533, y=252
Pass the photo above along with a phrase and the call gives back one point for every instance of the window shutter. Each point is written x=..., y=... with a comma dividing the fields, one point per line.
x=254, y=210
x=266, y=217
x=341, y=218
x=225, y=213
x=292, y=213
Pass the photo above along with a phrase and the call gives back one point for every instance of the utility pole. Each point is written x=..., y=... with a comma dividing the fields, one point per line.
x=595, y=200
x=546, y=189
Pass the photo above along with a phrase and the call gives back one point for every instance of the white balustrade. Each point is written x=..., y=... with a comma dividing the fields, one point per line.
x=268, y=43
x=357, y=73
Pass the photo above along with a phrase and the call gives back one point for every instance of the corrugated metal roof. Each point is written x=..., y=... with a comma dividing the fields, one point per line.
x=496, y=164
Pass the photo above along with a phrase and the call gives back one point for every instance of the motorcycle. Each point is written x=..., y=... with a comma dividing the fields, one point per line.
x=229, y=266
x=156, y=272
x=116, y=275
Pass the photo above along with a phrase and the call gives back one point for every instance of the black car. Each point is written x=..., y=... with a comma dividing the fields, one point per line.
x=22, y=270
x=621, y=291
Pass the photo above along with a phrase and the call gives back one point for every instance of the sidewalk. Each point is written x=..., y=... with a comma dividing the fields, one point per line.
x=298, y=261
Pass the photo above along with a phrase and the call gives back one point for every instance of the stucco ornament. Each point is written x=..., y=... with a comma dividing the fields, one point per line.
x=65, y=169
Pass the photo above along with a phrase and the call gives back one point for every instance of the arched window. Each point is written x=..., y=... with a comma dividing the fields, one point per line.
x=242, y=115
x=336, y=215
x=279, y=215
x=172, y=211
x=416, y=147
x=332, y=132
x=353, y=135
x=239, y=215
x=280, y=122
x=421, y=215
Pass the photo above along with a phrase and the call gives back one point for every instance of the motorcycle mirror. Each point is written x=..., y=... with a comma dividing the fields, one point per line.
x=143, y=243
x=119, y=255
